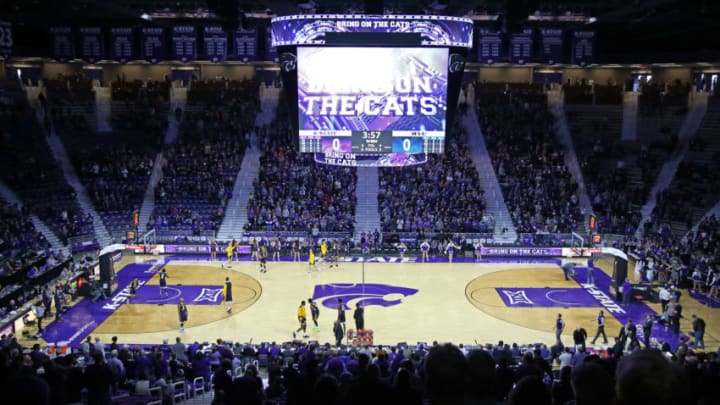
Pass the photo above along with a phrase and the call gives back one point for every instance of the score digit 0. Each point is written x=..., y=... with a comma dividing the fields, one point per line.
x=336, y=144
x=406, y=145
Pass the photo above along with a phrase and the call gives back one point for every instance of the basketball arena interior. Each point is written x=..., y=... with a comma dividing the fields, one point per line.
x=350, y=202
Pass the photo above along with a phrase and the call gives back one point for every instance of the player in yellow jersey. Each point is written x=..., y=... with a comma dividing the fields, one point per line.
x=311, y=260
x=302, y=319
x=229, y=252
x=323, y=249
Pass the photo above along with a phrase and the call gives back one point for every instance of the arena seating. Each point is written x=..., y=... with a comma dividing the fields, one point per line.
x=71, y=102
x=696, y=183
x=200, y=170
x=30, y=169
x=283, y=373
x=293, y=193
x=441, y=196
x=655, y=98
x=140, y=105
x=528, y=159
x=115, y=169
x=18, y=236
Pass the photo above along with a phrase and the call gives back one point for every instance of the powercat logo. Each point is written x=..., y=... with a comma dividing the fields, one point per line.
x=383, y=295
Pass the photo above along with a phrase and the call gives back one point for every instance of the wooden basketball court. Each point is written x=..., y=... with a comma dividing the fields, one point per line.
x=404, y=302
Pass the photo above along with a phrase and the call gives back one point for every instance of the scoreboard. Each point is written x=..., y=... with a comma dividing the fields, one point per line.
x=371, y=142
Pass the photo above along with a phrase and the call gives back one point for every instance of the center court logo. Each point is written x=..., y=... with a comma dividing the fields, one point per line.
x=383, y=295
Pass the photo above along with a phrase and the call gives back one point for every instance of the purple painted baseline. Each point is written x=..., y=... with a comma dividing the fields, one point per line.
x=637, y=311
x=86, y=316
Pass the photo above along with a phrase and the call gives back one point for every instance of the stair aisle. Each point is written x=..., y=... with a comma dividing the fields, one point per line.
x=58, y=150
x=688, y=129
x=630, y=116
x=367, y=215
x=103, y=109
x=557, y=108
x=236, y=211
x=504, y=229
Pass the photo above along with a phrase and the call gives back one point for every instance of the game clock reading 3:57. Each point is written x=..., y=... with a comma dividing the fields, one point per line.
x=384, y=142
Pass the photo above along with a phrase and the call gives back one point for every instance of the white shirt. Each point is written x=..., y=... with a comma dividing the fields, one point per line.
x=664, y=294
x=565, y=359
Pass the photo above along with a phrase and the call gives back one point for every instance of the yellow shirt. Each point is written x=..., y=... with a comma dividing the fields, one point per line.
x=311, y=259
x=229, y=250
x=323, y=249
x=301, y=312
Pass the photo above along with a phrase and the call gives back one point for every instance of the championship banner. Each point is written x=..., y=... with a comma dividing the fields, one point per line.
x=6, y=39
x=583, y=48
x=521, y=47
x=551, y=45
x=310, y=29
x=489, y=46
x=184, y=43
x=121, y=44
x=152, y=44
x=216, y=43
x=61, y=43
x=91, y=44
x=246, y=45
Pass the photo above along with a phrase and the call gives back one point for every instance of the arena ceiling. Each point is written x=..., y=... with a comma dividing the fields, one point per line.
x=627, y=30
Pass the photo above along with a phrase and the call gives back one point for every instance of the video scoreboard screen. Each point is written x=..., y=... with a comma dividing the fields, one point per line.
x=372, y=100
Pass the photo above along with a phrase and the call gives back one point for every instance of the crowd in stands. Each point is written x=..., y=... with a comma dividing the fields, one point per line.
x=442, y=195
x=308, y=373
x=140, y=106
x=30, y=169
x=656, y=97
x=586, y=93
x=115, y=175
x=69, y=99
x=675, y=258
x=200, y=170
x=18, y=235
x=529, y=161
x=693, y=187
x=294, y=193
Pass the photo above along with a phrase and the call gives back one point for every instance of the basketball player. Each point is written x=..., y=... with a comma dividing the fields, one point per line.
x=163, y=282
x=229, y=252
x=450, y=250
x=253, y=249
x=182, y=314
x=296, y=250
x=323, y=250
x=213, y=249
x=402, y=248
x=236, y=253
x=134, y=284
x=227, y=293
x=315, y=313
x=302, y=319
x=425, y=249
x=262, y=256
x=478, y=250
x=341, y=314
x=311, y=260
